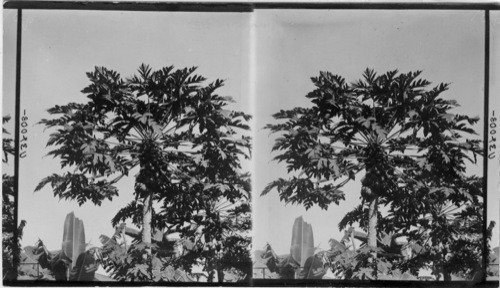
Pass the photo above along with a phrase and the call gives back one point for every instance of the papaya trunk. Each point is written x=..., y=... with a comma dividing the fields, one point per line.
x=446, y=276
x=445, y=270
x=146, y=230
x=220, y=275
x=147, y=215
x=372, y=231
x=372, y=223
x=210, y=277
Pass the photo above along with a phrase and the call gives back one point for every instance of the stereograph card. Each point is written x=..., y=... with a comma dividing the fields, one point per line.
x=250, y=144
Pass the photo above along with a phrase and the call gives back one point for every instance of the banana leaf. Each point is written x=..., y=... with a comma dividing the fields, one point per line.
x=313, y=268
x=59, y=266
x=52, y=265
x=302, y=241
x=266, y=259
x=85, y=268
x=287, y=267
x=83, y=264
x=73, y=238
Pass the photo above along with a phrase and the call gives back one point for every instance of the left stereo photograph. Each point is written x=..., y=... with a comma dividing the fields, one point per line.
x=126, y=146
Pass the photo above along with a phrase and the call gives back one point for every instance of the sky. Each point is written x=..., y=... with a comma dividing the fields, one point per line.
x=266, y=57
x=292, y=46
x=60, y=46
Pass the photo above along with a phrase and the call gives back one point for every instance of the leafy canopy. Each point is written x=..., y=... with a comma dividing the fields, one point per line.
x=162, y=112
x=391, y=126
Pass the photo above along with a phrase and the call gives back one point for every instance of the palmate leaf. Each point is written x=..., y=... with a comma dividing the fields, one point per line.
x=357, y=215
x=364, y=274
x=144, y=71
x=133, y=211
x=79, y=187
x=303, y=191
x=112, y=250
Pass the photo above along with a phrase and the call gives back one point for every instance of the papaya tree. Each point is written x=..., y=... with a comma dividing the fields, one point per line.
x=155, y=122
x=392, y=128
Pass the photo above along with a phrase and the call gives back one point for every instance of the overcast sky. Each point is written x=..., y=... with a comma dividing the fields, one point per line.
x=60, y=46
x=293, y=46
x=289, y=47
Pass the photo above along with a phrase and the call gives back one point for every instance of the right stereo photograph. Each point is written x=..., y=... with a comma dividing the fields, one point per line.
x=370, y=154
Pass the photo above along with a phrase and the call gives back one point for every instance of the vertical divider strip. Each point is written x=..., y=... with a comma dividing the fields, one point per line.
x=16, y=252
x=485, y=141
